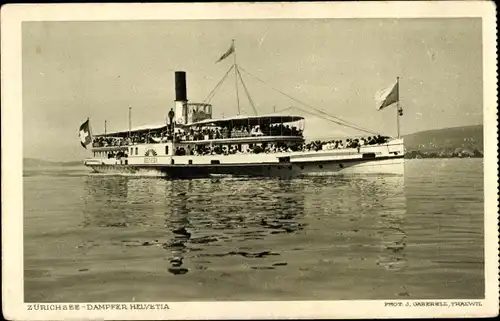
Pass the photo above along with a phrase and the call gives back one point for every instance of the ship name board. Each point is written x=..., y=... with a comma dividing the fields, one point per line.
x=150, y=160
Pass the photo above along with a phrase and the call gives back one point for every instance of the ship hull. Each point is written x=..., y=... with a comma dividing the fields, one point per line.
x=384, y=165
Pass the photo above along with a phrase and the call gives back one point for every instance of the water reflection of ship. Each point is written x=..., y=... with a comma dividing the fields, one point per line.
x=208, y=215
x=177, y=220
x=201, y=216
x=207, y=220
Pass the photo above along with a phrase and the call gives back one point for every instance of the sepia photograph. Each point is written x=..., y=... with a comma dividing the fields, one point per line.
x=184, y=161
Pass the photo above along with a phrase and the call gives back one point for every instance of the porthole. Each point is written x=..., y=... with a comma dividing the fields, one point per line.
x=341, y=166
x=301, y=166
x=320, y=166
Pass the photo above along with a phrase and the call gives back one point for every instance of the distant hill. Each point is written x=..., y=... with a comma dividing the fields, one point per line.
x=447, y=142
x=35, y=162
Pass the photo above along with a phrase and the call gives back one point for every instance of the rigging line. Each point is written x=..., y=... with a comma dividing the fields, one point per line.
x=279, y=111
x=212, y=93
x=246, y=91
x=336, y=122
x=222, y=79
x=346, y=123
x=333, y=121
x=314, y=114
x=296, y=100
x=236, y=81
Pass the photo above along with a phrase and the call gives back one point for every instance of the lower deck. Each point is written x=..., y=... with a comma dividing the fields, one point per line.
x=381, y=165
x=158, y=154
x=384, y=158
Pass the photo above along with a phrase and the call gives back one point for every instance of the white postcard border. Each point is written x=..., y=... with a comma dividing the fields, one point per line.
x=12, y=17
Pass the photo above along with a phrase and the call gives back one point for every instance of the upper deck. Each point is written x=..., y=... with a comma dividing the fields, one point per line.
x=234, y=130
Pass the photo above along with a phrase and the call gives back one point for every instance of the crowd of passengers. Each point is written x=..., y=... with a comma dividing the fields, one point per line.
x=349, y=143
x=272, y=147
x=281, y=147
x=236, y=149
x=198, y=133
x=102, y=141
x=194, y=134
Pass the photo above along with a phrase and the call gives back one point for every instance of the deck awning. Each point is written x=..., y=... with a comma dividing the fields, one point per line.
x=247, y=120
x=136, y=130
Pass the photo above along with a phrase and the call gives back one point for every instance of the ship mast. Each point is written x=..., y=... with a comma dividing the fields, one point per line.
x=129, y=121
x=237, y=74
x=399, y=110
x=236, y=77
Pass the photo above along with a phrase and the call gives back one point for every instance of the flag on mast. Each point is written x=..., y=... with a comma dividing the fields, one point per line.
x=388, y=96
x=85, y=135
x=228, y=53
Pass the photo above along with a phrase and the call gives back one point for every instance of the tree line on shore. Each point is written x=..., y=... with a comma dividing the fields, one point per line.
x=446, y=153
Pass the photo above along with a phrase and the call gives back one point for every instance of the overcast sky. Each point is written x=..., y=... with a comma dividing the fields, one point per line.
x=75, y=70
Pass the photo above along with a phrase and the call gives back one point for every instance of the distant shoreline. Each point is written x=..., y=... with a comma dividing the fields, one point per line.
x=408, y=155
x=439, y=157
x=457, y=153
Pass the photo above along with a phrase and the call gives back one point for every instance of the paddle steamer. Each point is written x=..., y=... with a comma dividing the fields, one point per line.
x=192, y=144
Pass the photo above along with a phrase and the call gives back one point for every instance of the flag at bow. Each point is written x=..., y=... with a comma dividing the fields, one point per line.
x=387, y=96
x=228, y=53
x=85, y=135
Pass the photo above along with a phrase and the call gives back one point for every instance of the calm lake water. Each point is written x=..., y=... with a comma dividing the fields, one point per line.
x=94, y=238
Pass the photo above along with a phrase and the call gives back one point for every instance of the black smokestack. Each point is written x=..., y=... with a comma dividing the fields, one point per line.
x=180, y=86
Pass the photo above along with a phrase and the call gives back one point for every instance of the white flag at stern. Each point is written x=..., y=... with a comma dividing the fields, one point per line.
x=388, y=96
